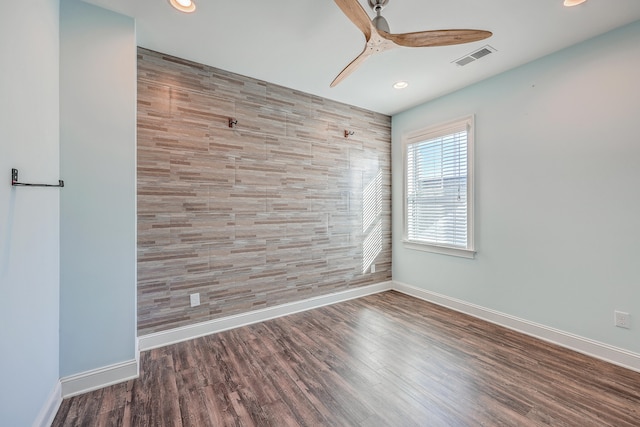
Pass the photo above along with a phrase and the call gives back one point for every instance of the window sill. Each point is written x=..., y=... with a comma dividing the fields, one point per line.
x=444, y=250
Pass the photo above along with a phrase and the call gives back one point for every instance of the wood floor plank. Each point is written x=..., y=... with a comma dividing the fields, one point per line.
x=382, y=360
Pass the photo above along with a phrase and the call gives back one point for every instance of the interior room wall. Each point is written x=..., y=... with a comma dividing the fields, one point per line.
x=278, y=209
x=29, y=217
x=98, y=204
x=557, y=200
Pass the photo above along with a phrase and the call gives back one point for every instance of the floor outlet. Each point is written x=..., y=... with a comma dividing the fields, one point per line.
x=195, y=299
x=622, y=320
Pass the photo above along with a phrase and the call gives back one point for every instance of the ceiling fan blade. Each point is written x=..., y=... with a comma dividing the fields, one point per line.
x=436, y=38
x=366, y=53
x=357, y=15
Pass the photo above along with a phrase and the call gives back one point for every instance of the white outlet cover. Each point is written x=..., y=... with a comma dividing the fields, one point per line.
x=195, y=299
x=373, y=268
x=622, y=320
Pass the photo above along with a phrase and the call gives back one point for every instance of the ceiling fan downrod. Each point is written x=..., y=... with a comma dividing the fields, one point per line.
x=377, y=5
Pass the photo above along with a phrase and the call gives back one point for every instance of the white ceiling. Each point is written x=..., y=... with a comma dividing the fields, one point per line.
x=304, y=44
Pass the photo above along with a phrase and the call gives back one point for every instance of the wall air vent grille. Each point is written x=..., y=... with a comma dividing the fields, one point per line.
x=475, y=55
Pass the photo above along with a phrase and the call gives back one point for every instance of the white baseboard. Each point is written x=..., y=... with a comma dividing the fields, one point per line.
x=172, y=336
x=592, y=348
x=109, y=375
x=99, y=378
x=50, y=409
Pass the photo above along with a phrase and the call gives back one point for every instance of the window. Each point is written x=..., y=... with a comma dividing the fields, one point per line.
x=439, y=189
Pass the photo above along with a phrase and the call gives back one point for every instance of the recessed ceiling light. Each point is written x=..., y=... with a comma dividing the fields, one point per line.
x=187, y=6
x=570, y=3
x=400, y=85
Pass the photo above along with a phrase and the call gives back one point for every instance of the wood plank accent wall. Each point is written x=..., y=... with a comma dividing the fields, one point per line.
x=279, y=209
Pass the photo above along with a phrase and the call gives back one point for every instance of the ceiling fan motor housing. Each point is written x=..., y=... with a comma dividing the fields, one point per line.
x=379, y=22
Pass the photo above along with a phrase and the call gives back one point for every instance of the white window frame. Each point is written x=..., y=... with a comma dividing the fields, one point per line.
x=426, y=134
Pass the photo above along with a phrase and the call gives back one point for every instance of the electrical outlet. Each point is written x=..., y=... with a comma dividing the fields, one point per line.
x=373, y=268
x=622, y=320
x=195, y=299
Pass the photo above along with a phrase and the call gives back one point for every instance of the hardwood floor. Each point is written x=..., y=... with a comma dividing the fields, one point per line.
x=382, y=360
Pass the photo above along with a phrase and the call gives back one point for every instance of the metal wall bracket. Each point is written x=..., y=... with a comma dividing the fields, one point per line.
x=16, y=183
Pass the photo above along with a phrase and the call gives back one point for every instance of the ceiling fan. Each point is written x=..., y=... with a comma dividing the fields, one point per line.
x=379, y=38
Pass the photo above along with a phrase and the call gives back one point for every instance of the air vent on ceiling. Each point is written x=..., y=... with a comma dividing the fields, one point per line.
x=475, y=55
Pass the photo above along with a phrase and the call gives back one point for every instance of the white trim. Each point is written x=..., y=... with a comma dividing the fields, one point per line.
x=109, y=375
x=50, y=408
x=438, y=130
x=172, y=336
x=445, y=250
x=602, y=351
x=99, y=378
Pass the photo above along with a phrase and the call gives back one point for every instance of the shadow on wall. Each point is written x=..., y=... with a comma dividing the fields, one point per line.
x=372, y=221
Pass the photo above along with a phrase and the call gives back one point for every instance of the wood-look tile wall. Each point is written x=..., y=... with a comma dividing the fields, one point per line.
x=279, y=209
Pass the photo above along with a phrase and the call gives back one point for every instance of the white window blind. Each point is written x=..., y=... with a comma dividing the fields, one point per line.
x=437, y=187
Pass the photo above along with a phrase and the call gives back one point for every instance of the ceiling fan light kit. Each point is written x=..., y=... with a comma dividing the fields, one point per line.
x=378, y=37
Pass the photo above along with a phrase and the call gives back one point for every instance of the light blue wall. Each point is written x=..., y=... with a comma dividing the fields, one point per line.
x=557, y=191
x=98, y=206
x=29, y=217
